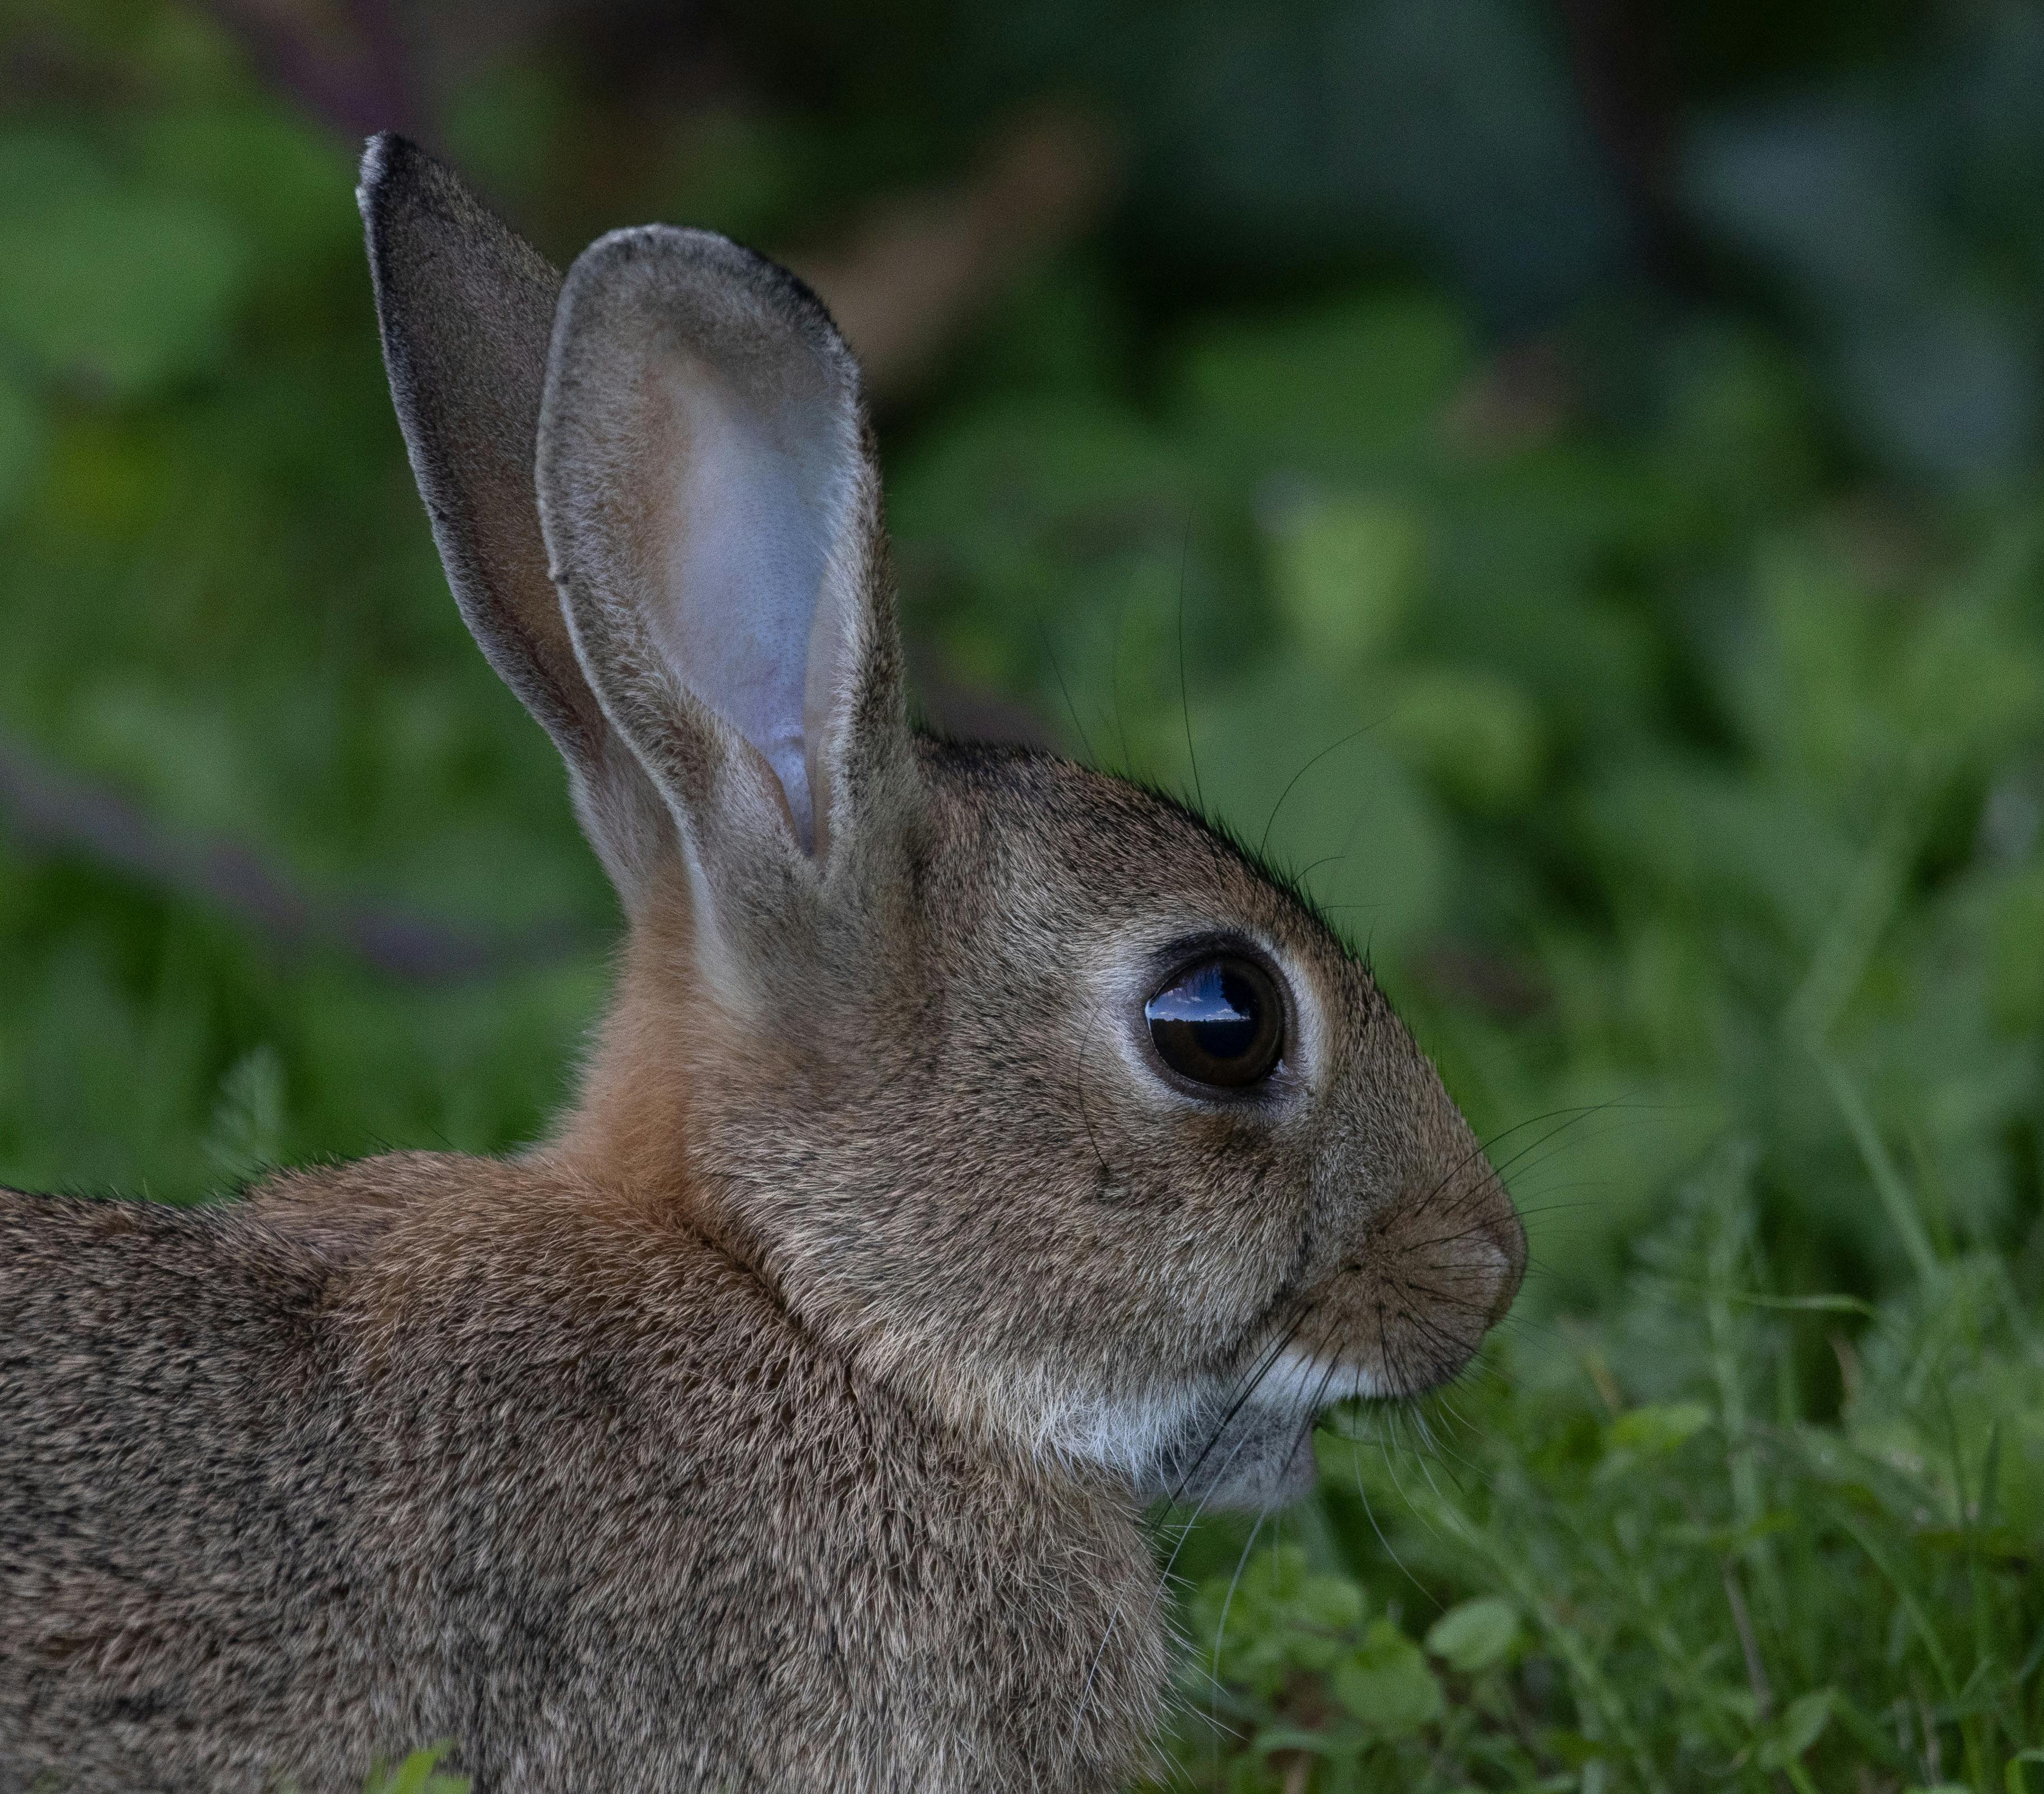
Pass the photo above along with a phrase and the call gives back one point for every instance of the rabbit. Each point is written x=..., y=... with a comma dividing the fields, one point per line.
x=978, y=1149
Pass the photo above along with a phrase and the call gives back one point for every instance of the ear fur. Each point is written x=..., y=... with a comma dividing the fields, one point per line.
x=710, y=497
x=465, y=309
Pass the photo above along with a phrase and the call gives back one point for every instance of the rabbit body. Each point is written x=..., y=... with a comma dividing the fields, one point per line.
x=978, y=1148
x=500, y=1457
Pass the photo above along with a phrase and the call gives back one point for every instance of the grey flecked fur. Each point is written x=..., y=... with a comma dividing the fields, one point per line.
x=785, y=1421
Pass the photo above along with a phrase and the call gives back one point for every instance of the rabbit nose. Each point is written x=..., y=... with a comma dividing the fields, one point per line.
x=1508, y=1235
x=1493, y=1256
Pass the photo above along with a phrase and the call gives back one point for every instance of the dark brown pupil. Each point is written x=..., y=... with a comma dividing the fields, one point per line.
x=1217, y=1021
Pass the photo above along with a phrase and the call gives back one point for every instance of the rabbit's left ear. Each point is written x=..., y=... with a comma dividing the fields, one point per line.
x=710, y=503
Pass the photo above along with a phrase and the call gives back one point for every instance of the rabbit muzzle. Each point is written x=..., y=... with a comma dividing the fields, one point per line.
x=1402, y=1310
x=1411, y=1298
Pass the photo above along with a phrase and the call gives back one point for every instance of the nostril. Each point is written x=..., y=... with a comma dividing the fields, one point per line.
x=1511, y=1239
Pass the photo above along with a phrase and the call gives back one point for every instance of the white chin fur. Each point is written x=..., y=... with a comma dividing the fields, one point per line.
x=1121, y=1434
x=1209, y=1444
x=1298, y=1382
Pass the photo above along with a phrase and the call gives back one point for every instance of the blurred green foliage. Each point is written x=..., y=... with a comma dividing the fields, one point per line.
x=1655, y=690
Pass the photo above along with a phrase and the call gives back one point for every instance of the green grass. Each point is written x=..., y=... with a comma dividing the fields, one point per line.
x=1685, y=782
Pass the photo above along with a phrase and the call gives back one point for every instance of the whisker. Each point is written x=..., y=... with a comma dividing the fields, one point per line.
x=1481, y=1150
x=1299, y=1440
x=1265, y=841
x=1184, y=1532
x=1574, y=1118
x=1269, y=1361
x=1050, y=654
x=1227, y=1601
x=1185, y=709
x=1370, y=1513
x=1114, y=681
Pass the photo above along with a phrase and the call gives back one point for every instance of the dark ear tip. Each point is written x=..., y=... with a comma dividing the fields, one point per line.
x=382, y=155
x=390, y=164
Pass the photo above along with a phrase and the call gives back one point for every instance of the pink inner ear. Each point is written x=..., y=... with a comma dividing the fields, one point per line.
x=760, y=492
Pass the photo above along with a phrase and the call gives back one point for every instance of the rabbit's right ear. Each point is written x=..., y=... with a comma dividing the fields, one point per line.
x=466, y=309
x=710, y=495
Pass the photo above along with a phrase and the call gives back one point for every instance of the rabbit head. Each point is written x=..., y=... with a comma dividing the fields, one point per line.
x=1027, y=1090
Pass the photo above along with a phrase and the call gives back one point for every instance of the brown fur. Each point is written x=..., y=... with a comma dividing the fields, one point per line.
x=785, y=1419
x=551, y=1395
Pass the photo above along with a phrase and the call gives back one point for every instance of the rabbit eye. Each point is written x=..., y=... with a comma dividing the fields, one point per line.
x=1218, y=1021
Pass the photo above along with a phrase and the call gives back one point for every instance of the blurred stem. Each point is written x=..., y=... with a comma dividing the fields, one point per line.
x=1756, y=1666
x=1976, y=1516
x=1730, y=1235
x=1839, y=964
x=1317, y=1535
x=1903, y=1214
x=47, y=807
x=1837, y=968
x=1933, y=1647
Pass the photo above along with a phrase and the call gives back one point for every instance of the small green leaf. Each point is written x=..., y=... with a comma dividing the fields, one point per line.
x=1801, y=1727
x=1572, y=1747
x=1386, y=1684
x=247, y=1138
x=1475, y=1635
x=1804, y=1721
x=1477, y=735
x=1650, y=1431
x=1346, y=571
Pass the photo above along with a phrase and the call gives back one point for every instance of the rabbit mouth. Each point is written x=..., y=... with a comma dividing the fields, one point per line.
x=1250, y=1443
